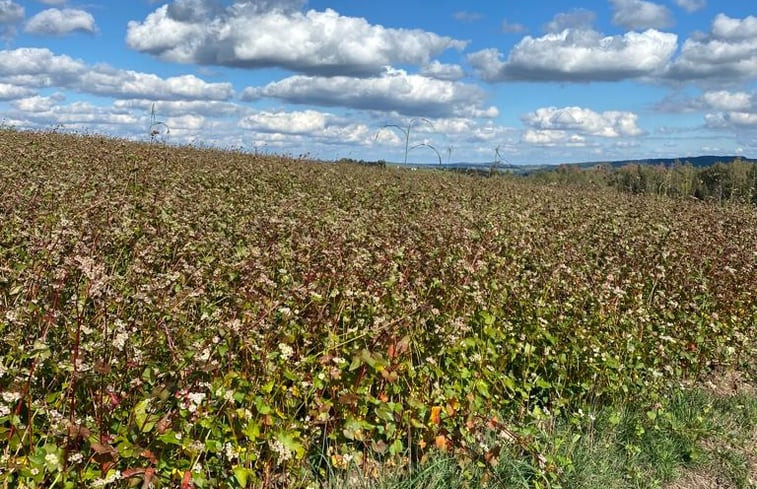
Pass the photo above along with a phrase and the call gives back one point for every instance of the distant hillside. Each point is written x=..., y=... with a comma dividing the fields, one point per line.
x=697, y=161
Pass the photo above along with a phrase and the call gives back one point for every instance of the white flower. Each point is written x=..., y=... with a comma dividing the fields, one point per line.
x=52, y=460
x=282, y=451
x=231, y=452
x=111, y=478
x=11, y=397
x=75, y=458
x=286, y=351
x=195, y=399
x=120, y=340
x=205, y=355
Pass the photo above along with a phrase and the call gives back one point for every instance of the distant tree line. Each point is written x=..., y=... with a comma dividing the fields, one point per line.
x=352, y=161
x=722, y=182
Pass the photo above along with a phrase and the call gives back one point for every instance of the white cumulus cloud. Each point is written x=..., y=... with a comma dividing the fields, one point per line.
x=303, y=122
x=442, y=71
x=735, y=109
x=308, y=126
x=609, y=124
x=11, y=92
x=394, y=90
x=10, y=14
x=37, y=103
x=163, y=108
x=641, y=14
x=57, y=22
x=725, y=100
x=40, y=67
x=279, y=34
x=552, y=138
x=727, y=53
x=578, y=55
x=730, y=120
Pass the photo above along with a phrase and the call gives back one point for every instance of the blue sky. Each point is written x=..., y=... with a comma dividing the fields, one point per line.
x=536, y=82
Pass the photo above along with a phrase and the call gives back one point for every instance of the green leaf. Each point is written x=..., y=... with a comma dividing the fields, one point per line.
x=396, y=448
x=144, y=422
x=612, y=362
x=357, y=361
x=291, y=442
x=614, y=418
x=169, y=437
x=241, y=474
x=487, y=319
x=252, y=430
x=353, y=429
x=268, y=387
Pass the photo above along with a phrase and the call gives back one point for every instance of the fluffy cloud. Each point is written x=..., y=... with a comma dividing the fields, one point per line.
x=41, y=111
x=395, y=90
x=609, y=124
x=37, y=103
x=640, y=14
x=163, y=108
x=10, y=13
x=279, y=34
x=304, y=122
x=56, y=22
x=578, y=55
x=128, y=83
x=552, y=138
x=722, y=100
x=729, y=120
x=722, y=109
x=442, y=71
x=39, y=67
x=11, y=92
x=727, y=53
x=308, y=127
x=725, y=100
x=691, y=5
x=735, y=109
x=727, y=28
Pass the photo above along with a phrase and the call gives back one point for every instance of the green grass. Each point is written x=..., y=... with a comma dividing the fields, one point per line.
x=695, y=431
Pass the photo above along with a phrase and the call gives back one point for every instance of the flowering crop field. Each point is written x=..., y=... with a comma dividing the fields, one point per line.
x=181, y=317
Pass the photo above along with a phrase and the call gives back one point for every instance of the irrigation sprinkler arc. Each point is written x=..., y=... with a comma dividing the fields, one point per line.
x=157, y=128
x=405, y=131
x=429, y=146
